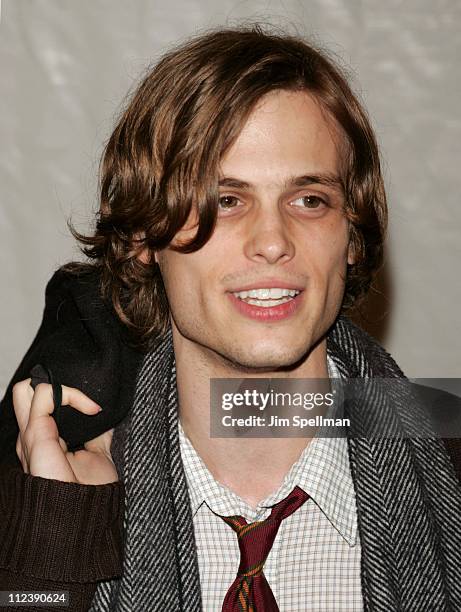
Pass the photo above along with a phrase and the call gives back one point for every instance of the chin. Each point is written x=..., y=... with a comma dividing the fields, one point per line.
x=266, y=360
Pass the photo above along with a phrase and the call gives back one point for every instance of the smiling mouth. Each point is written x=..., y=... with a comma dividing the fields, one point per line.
x=267, y=297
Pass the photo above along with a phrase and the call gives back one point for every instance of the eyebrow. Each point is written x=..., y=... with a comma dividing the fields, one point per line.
x=327, y=179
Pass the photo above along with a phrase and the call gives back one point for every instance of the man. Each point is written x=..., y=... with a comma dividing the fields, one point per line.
x=242, y=211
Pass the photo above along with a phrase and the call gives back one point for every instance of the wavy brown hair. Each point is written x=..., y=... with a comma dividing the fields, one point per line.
x=162, y=158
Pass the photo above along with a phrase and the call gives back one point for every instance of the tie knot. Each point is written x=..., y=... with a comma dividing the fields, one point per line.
x=256, y=539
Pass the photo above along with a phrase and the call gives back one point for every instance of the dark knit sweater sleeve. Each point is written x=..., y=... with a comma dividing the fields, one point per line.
x=59, y=536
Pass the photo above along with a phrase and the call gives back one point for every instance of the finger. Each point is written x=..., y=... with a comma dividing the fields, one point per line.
x=63, y=444
x=43, y=402
x=100, y=443
x=77, y=399
x=21, y=454
x=22, y=400
x=19, y=447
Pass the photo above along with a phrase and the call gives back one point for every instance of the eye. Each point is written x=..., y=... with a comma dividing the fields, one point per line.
x=226, y=202
x=308, y=201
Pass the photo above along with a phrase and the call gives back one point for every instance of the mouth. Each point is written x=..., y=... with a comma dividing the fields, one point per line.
x=267, y=297
x=267, y=303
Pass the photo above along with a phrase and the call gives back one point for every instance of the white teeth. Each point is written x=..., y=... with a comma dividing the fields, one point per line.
x=276, y=294
x=268, y=303
x=272, y=293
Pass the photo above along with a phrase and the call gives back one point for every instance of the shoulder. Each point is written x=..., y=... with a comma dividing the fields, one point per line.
x=75, y=280
x=74, y=297
x=81, y=343
x=359, y=352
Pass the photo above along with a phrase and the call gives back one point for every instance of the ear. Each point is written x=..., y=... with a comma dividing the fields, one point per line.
x=147, y=256
x=351, y=254
x=144, y=256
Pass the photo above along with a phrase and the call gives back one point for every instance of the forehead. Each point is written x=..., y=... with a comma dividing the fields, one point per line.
x=286, y=133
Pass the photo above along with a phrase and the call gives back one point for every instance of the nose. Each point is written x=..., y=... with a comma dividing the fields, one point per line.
x=268, y=238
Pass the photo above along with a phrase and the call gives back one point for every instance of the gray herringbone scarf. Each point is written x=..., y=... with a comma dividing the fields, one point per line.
x=408, y=497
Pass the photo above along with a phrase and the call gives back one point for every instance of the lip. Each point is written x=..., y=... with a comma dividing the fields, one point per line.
x=269, y=283
x=271, y=313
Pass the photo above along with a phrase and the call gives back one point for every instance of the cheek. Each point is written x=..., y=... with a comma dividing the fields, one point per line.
x=325, y=260
x=328, y=251
x=172, y=271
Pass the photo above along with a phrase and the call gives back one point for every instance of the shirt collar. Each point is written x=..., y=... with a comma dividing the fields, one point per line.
x=322, y=471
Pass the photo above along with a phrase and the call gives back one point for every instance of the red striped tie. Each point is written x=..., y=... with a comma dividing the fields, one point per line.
x=250, y=591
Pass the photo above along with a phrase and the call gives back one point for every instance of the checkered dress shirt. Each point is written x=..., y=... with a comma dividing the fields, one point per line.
x=314, y=563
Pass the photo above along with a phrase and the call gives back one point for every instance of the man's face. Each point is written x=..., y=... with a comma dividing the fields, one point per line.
x=280, y=228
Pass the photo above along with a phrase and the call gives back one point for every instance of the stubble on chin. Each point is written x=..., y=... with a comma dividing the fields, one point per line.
x=245, y=362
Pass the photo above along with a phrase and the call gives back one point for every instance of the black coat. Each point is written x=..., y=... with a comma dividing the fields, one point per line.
x=84, y=345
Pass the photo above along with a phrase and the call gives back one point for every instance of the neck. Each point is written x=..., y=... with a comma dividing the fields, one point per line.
x=231, y=460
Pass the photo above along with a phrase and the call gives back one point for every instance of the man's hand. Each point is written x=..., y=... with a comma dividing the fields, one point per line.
x=40, y=449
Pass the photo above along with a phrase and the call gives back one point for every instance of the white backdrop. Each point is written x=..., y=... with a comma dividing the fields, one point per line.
x=65, y=66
